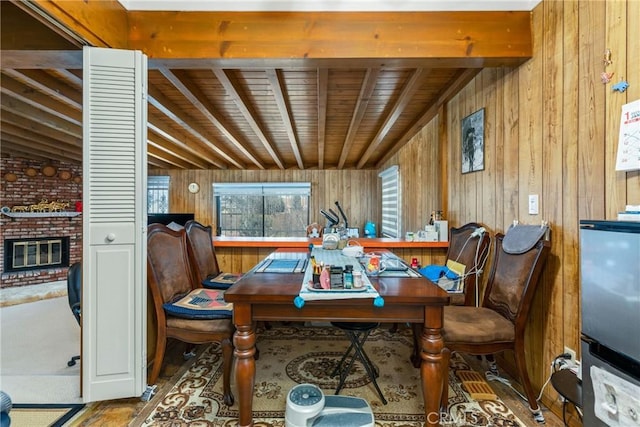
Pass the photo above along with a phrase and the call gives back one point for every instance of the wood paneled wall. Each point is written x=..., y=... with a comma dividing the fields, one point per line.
x=551, y=128
x=357, y=191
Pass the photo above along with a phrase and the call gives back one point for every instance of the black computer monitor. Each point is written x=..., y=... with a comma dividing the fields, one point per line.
x=167, y=218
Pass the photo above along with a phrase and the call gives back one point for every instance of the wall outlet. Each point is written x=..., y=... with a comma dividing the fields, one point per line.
x=534, y=208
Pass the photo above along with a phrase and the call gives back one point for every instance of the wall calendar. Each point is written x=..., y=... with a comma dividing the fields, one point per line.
x=629, y=141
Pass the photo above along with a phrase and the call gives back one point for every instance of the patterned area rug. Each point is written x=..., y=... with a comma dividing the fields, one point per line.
x=291, y=355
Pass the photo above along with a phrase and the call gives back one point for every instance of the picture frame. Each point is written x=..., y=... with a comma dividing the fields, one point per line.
x=472, y=142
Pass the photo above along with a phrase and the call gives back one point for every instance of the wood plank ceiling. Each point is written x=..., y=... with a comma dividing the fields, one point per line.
x=248, y=90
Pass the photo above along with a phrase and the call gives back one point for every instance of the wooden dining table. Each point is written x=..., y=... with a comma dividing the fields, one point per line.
x=262, y=296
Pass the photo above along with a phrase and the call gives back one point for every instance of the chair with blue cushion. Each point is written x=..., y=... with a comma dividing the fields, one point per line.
x=170, y=278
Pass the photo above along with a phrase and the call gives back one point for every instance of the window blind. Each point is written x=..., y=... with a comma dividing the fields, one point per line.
x=262, y=189
x=390, y=202
x=158, y=182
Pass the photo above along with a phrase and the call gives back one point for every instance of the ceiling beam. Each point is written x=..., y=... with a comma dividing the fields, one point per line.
x=197, y=99
x=366, y=89
x=50, y=149
x=39, y=129
x=29, y=112
x=11, y=87
x=48, y=59
x=283, y=106
x=162, y=129
x=70, y=144
x=33, y=153
x=450, y=90
x=409, y=89
x=323, y=93
x=164, y=105
x=228, y=85
x=102, y=23
x=159, y=153
x=46, y=84
x=499, y=38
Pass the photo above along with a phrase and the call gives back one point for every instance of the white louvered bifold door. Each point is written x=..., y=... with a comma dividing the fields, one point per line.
x=114, y=224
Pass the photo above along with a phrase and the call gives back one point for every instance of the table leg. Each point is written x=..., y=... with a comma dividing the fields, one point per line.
x=431, y=370
x=244, y=341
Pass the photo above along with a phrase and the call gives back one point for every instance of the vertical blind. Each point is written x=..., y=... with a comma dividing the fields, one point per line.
x=390, y=202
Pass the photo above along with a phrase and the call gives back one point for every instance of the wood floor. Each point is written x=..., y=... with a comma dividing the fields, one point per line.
x=121, y=412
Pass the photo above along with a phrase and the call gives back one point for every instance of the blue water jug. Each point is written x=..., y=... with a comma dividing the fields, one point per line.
x=369, y=229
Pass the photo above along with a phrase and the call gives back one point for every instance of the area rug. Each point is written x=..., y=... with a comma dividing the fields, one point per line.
x=37, y=415
x=291, y=355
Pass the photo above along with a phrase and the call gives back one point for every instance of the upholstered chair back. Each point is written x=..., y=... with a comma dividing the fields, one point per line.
x=513, y=280
x=169, y=269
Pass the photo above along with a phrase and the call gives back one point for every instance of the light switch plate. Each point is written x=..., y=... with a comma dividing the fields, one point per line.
x=533, y=204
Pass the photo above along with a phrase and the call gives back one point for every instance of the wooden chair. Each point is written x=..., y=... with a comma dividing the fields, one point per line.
x=472, y=251
x=201, y=251
x=170, y=276
x=499, y=323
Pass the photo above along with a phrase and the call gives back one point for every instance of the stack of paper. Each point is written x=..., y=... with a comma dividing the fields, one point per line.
x=631, y=213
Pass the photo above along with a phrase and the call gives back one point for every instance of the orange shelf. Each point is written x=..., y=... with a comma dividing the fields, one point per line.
x=303, y=242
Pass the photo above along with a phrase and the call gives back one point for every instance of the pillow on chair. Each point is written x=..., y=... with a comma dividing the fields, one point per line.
x=201, y=304
x=221, y=281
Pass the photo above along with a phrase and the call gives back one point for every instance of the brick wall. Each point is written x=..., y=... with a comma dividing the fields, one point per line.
x=65, y=185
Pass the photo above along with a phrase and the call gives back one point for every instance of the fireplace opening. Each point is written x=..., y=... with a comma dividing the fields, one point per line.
x=36, y=254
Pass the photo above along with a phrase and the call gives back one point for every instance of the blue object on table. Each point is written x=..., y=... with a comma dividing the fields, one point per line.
x=435, y=272
x=369, y=229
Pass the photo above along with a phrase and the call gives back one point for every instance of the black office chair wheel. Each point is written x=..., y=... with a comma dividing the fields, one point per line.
x=72, y=362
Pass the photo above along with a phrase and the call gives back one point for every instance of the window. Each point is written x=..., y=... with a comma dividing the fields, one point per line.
x=390, y=202
x=158, y=194
x=262, y=210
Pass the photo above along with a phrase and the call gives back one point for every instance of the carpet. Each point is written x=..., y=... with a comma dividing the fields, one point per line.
x=290, y=355
x=37, y=339
x=36, y=415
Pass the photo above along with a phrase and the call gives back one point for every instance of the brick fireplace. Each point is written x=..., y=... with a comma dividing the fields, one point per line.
x=24, y=183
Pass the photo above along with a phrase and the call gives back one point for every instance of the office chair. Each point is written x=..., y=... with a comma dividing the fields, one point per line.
x=169, y=277
x=357, y=332
x=74, y=294
x=499, y=323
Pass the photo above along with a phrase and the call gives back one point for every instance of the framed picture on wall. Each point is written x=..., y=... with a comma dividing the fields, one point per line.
x=473, y=142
